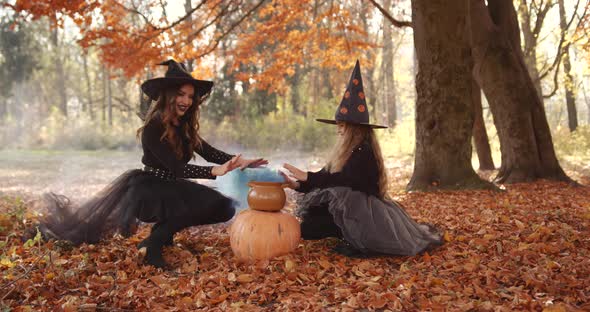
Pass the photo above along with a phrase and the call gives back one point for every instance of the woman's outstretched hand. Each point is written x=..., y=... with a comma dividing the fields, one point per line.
x=290, y=182
x=251, y=163
x=296, y=172
x=227, y=167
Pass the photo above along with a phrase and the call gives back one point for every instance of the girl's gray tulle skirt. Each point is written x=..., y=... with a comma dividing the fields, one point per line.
x=370, y=224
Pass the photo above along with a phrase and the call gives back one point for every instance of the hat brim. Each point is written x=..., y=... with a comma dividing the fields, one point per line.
x=153, y=87
x=333, y=122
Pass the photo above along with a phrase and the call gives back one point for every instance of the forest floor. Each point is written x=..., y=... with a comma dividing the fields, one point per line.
x=525, y=248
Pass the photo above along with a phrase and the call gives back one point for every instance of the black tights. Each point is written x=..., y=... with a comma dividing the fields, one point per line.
x=318, y=223
x=163, y=231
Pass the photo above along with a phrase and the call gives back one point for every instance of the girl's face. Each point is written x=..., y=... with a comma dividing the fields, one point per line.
x=184, y=99
x=340, y=127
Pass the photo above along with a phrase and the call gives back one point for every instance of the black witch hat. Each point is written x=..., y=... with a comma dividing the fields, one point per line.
x=176, y=75
x=353, y=107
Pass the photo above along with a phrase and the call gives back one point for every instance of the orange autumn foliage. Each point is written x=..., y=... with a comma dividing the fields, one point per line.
x=263, y=40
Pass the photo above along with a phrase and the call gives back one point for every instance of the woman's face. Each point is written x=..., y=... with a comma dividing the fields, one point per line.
x=340, y=126
x=184, y=99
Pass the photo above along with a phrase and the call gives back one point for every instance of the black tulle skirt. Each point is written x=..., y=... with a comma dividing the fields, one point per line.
x=134, y=196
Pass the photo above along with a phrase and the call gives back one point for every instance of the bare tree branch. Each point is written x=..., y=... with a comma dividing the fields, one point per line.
x=136, y=11
x=541, y=17
x=561, y=47
x=164, y=13
x=233, y=26
x=170, y=26
x=555, y=83
x=395, y=22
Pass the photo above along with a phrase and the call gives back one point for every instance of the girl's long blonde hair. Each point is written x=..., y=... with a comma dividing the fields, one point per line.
x=354, y=135
x=165, y=107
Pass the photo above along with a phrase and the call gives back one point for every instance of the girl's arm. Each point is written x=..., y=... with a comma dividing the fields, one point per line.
x=306, y=186
x=353, y=170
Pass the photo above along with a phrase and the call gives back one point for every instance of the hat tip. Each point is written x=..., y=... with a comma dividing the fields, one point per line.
x=167, y=62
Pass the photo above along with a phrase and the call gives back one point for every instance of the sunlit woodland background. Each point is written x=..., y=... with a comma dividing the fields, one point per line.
x=477, y=95
x=70, y=70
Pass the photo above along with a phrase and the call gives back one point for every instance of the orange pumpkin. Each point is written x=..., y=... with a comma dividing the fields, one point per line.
x=260, y=235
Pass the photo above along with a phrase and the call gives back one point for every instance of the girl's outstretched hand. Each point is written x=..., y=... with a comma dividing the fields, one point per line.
x=296, y=172
x=292, y=184
x=251, y=163
x=227, y=167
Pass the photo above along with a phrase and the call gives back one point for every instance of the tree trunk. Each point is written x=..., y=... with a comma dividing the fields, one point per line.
x=371, y=88
x=570, y=96
x=519, y=116
x=530, y=37
x=104, y=94
x=444, y=110
x=387, y=84
x=90, y=102
x=189, y=21
x=480, y=136
x=110, y=97
x=60, y=81
x=295, y=83
x=587, y=101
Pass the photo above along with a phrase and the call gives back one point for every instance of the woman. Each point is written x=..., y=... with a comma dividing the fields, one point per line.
x=347, y=198
x=160, y=192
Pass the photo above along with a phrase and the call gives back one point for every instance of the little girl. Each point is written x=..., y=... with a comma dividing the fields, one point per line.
x=347, y=198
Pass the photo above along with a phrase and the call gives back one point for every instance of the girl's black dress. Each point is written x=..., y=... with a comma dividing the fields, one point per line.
x=160, y=193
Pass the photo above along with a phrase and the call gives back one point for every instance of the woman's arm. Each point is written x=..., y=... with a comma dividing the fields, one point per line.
x=213, y=155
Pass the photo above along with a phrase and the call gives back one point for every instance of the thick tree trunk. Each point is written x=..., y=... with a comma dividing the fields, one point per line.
x=444, y=110
x=480, y=135
x=519, y=116
x=387, y=84
x=570, y=96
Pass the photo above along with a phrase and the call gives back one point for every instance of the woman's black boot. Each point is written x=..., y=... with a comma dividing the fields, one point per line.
x=169, y=241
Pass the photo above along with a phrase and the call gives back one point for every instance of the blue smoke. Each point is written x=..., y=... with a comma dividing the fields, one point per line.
x=235, y=183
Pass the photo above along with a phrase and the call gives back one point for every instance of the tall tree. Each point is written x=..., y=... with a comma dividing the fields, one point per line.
x=444, y=110
x=519, y=115
x=60, y=76
x=89, y=106
x=387, y=83
x=569, y=84
x=372, y=83
x=480, y=135
x=104, y=93
x=109, y=97
x=18, y=58
x=532, y=18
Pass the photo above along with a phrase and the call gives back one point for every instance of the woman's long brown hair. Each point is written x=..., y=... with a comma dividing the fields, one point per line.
x=165, y=107
x=353, y=136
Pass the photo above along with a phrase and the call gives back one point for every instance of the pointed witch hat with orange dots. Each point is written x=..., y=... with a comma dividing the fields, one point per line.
x=353, y=107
